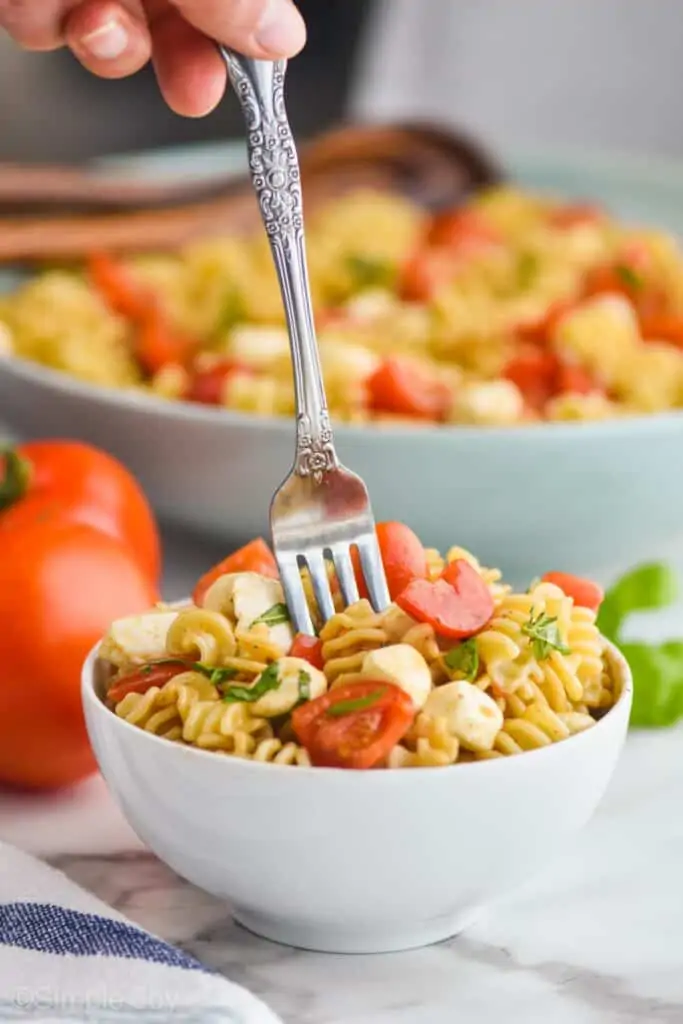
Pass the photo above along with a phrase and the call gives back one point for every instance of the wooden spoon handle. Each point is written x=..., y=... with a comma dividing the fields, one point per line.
x=46, y=187
x=434, y=167
x=39, y=240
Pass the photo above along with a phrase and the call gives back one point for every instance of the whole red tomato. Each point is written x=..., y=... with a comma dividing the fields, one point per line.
x=78, y=548
x=61, y=585
x=67, y=481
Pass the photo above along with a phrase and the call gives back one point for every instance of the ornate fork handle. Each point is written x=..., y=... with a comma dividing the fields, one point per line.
x=274, y=168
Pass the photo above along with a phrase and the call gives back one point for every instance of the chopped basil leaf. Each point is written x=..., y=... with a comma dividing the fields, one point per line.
x=232, y=312
x=544, y=633
x=304, y=686
x=347, y=707
x=528, y=267
x=267, y=681
x=464, y=658
x=219, y=676
x=369, y=273
x=628, y=276
x=274, y=616
x=213, y=673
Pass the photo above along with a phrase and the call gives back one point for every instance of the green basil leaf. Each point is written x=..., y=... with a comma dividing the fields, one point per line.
x=274, y=616
x=544, y=633
x=347, y=707
x=629, y=276
x=657, y=683
x=528, y=267
x=232, y=312
x=646, y=588
x=369, y=273
x=304, y=687
x=464, y=659
x=267, y=681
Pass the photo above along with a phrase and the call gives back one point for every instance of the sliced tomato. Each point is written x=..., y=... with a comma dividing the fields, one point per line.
x=630, y=274
x=354, y=726
x=143, y=679
x=573, y=214
x=464, y=230
x=426, y=274
x=255, y=556
x=398, y=387
x=158, y=345
x=583, y=592
x=208, y=385
x=116, y=286
x=663, y=327
x=310, y=648
x=534, y=372
x=457, y=605
x=541, y=330
x=403, y=556
x=576, y=379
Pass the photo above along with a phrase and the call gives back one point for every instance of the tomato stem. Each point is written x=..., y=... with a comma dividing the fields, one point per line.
x=15, y=481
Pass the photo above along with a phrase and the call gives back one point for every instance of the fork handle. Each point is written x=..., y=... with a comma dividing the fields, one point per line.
x=274, y=168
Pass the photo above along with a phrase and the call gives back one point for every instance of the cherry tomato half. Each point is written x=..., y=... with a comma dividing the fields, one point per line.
x=400, y=388
x=255, y=556
x=583, y=592
x=309, y=648
x=403, y=557
x=457, y=605
x=144, y=678
x=354, y=726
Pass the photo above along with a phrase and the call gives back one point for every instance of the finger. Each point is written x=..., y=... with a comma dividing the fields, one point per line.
x=109, y=38
x=35, y=26
x=257, y=28
x=191, y=74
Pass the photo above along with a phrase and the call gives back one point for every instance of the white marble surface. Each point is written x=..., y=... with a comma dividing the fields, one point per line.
x=597, y=940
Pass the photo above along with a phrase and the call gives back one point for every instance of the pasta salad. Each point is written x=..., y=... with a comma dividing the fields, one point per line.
x=458, y=668
x=512, y=310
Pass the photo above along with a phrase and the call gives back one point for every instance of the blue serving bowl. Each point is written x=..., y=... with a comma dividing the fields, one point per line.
x=587, y=497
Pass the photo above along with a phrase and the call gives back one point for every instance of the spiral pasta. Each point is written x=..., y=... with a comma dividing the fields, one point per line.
x=347, y=638
x=231, y=678
x=539, y=726
x=155, y=711
x=213, y=725
x=274, y=751
x=203, y=634
x=429, y=744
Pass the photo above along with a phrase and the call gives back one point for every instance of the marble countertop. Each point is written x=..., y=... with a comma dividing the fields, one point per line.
x=597, y=940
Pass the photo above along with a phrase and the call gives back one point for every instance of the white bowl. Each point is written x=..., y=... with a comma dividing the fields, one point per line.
x=355, y=862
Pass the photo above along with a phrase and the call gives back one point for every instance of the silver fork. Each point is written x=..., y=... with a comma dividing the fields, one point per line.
x=322, y=509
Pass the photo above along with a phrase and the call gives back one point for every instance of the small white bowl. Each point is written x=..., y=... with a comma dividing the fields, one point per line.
x=355, y=862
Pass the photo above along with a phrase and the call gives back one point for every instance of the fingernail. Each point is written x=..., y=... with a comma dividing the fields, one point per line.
x=108, y=42
x=281, y=29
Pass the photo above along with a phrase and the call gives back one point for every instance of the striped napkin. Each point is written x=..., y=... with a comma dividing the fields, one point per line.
x=66, y=957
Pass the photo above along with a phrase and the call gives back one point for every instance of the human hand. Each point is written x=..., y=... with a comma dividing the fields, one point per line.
x=115, y=38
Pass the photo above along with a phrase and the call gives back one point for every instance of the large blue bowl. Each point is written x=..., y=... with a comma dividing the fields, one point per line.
x=589, y=498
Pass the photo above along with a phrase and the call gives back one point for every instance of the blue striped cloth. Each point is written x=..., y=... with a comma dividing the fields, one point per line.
x=67, y=958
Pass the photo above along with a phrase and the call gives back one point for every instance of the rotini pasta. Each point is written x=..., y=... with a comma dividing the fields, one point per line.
x=347, y=638
x=492, y=674
x=600, y=303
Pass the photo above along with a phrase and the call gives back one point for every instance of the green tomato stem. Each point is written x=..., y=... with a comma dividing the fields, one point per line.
x=16, y=480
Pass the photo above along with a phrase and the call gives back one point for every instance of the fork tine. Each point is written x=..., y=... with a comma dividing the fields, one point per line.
x=321, y=583
x=344, y=569
x=295, y=596
x=373, y=572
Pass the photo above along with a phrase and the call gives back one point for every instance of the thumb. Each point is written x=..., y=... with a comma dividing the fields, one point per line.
x=257, y=28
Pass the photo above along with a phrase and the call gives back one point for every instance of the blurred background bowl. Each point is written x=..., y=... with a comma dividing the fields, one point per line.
x=588, y=498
